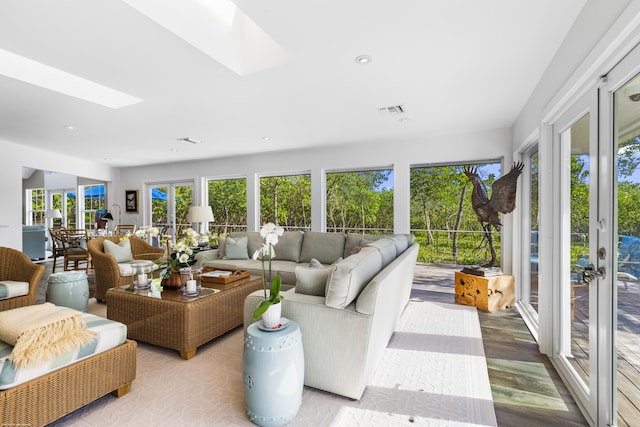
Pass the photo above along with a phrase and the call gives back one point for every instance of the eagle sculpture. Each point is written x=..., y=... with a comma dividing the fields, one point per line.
x=503, y=200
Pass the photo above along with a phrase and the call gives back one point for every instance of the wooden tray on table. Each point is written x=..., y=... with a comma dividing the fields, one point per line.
x=208, y=277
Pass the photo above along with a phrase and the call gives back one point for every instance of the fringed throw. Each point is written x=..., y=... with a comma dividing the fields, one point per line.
x=41, y=332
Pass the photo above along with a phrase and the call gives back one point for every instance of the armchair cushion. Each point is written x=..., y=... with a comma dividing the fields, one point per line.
x=12, y=288
x=120, y=251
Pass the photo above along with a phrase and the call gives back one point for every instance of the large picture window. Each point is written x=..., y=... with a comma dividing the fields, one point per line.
x=228, y=201
x=442, y=218
x=286, y=201
x=360, y=201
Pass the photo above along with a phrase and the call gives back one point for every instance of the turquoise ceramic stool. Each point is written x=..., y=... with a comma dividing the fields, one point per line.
x=273, y=373
x=69, y=289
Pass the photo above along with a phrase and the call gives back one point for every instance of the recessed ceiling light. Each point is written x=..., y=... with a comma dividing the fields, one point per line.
x=404, y=119
x=173, y=150
x=70, y=127
x=363, y=59
x=266, y=138
x=35, y=73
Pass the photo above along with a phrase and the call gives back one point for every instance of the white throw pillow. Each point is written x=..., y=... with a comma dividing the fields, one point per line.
x=120, y=251
x=236, y=248
x=312, y=280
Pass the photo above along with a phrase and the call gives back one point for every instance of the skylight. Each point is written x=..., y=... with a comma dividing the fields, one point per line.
x=219, y=29
x=33, y=72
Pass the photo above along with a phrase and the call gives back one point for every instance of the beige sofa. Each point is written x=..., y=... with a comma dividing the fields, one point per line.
x=347, y=306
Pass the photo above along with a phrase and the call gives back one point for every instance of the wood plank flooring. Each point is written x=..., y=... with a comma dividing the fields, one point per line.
x=527, y=390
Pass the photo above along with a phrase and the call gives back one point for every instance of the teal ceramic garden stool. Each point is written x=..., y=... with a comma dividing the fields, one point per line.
x=273, y=371
x=69, y=289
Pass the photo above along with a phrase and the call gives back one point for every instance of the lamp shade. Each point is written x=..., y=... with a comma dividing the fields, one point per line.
x=200, y=214
x=53, y=213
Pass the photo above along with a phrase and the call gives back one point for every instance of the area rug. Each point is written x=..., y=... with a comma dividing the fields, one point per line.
x=433, y=373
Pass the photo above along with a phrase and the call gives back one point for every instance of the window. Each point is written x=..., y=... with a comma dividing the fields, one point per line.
x=228, y=201
x=442, y=218
x=286, y=201
x=360, y=201
x=93, y=199
x=35, y=215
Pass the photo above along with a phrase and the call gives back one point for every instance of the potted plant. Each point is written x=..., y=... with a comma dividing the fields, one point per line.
x=180, y=256
x=269, y=308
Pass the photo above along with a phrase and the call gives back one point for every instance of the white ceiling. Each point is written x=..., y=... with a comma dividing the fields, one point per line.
x=456, y=65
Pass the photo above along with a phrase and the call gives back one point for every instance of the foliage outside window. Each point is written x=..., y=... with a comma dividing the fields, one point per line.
x=360, y=202
x=228, y=201
x=286, y=201
x=36, y=213
x=442, y=218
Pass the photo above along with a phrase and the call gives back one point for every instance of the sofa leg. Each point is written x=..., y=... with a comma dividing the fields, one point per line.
x=122, y=390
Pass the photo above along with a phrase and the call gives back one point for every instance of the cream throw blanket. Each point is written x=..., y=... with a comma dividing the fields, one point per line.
x=42, y=332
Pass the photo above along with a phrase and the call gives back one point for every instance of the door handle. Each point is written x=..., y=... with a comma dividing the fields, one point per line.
x=589, y=273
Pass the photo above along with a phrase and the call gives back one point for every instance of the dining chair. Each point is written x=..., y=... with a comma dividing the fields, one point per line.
x=57, y=247
x=74, y=243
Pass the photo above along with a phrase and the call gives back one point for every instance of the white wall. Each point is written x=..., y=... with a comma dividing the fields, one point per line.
x=15, y=157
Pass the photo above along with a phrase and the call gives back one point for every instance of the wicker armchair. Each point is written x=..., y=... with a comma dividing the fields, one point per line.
x=14, y=265
x=105, y=266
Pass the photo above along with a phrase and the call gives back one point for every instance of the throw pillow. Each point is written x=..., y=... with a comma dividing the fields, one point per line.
x=355, y=250
x=236, y=248
x=120, y=251
x=312, y=280
x=314, y=263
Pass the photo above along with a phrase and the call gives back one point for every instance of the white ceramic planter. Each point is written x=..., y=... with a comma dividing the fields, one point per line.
x=271, y=317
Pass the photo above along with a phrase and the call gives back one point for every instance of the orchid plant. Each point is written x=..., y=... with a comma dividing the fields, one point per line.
x=269, y=233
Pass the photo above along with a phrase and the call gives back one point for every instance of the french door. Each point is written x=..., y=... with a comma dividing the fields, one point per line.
x=596, y=345
x=169, y=205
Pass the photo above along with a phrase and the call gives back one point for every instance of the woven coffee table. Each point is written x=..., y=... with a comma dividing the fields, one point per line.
x=178, y=322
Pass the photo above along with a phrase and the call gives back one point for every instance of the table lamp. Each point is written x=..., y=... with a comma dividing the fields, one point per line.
x=201, y=214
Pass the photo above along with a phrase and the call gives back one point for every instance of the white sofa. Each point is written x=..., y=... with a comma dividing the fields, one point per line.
x=349, y=314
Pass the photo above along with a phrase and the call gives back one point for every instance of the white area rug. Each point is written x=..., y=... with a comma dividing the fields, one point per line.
x=433, y=373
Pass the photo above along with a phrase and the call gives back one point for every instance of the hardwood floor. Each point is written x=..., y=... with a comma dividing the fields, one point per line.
x=527, y=390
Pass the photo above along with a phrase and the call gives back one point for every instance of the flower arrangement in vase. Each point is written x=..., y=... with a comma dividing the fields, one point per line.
x=269, y=308
x=180, y=256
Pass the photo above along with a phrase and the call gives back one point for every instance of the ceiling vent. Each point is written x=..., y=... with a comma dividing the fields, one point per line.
x=189, y=140
x=394, y=110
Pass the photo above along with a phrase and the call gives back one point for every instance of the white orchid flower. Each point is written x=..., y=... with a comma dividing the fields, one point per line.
x=270, y=233
x=153, y=231
x=183, y=258
x=140, y=233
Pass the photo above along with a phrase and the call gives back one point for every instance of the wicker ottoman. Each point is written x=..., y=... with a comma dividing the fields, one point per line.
x=178, y=322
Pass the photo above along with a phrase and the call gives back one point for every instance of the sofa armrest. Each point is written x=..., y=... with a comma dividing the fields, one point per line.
x=204, y=256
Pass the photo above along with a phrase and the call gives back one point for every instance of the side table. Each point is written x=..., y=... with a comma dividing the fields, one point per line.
x=68, y=289
x=273, y=374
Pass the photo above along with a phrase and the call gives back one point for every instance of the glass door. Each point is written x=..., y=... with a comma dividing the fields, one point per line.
x=169, y=205
x=620, y=133
x=578, y=269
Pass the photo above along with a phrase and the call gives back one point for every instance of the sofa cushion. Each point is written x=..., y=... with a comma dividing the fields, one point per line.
x=350, y=276
x=325, y=247
x=221, y=244
x=402, y=243
x=312, y=280
x=236, y=248
x=254, y=240
x=289, y=245
x=121, y=251
x=12, y=288
x=387, y=248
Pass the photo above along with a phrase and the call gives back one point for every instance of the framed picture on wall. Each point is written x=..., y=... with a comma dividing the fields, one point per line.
x=131, y=201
